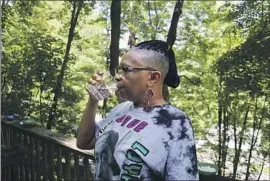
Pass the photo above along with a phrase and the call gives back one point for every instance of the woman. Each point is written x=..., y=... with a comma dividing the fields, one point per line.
x=155, y=139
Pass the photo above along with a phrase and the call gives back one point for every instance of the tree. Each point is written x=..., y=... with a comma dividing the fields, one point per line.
x=205, y=36
x=245, y=70
x=115, y=35
x=21, y=70
x=171, y=37
x=34, y=46
x=77, y=6
x=145, y=20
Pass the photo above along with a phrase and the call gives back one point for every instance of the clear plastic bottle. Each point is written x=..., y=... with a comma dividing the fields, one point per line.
x=103, y=90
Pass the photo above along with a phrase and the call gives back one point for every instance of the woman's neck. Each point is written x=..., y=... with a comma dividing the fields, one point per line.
x=152, y=102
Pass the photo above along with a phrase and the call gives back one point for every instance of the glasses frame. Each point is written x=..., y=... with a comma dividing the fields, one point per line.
x=129, y=69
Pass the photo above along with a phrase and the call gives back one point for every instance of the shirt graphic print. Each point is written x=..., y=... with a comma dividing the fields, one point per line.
x=133, y=144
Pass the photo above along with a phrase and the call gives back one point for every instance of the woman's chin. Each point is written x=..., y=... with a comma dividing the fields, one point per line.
x=121, y=96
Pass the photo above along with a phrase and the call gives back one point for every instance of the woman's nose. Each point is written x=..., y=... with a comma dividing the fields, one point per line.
x=118, y=77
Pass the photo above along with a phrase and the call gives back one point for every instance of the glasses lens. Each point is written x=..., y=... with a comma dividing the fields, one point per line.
x=123, y=70
x=127, y=69
x=119, y=71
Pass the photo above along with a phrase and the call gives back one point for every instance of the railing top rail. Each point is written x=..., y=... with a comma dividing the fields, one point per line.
x=50, y=136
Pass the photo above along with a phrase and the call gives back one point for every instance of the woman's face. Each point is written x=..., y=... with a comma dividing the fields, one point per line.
x=132, y=84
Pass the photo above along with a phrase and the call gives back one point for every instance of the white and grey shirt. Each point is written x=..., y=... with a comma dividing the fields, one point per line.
x=134, y=144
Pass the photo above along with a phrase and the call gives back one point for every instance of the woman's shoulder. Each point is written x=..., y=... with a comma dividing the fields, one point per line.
x=169, y=115
x=124, y=105
x=173, y=110
x=121, y=108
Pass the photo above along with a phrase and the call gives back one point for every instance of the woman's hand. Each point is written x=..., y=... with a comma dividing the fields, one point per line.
x=94, y=80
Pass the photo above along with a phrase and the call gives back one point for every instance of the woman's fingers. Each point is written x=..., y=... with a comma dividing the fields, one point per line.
x=92, y=81
x=97, y=77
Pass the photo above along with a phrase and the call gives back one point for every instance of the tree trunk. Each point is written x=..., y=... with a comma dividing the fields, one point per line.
x=3, y=16
x=114, y=46
x=223, y=120
x=115, y=35
x=77, y=6
x=250, y=152
x=238, y=150
x=264, y=158
x=171, y=37
x=235, y=160
x=252, y=144
x=219, y=127
x=224, y=140
x=149, y=13
x=255, y=137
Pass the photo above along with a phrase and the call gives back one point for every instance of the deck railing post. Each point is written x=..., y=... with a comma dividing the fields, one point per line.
x=48, y=157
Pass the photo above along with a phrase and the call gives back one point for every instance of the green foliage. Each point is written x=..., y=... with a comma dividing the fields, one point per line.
x=30, y=60
x=245, y=69
x=146, y=19
x=203, y=38
x=34, y=47
x=221, y=51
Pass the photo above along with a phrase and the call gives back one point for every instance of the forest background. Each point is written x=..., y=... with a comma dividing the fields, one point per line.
x=50, y=48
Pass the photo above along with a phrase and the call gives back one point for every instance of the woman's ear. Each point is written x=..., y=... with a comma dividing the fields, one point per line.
x=154, y=77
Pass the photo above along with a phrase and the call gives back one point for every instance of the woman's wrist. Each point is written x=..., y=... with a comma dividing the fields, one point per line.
x=92, y=101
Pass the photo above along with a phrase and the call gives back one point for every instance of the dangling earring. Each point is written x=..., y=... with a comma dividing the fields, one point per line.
x=148, y=96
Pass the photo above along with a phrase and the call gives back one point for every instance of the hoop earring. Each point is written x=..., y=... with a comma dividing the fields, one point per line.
x=148, y=96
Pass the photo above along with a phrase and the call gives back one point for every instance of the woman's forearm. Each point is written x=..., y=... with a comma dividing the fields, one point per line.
x=86, y=134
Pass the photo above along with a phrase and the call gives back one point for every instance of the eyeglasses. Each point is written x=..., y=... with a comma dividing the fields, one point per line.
x=127, y=69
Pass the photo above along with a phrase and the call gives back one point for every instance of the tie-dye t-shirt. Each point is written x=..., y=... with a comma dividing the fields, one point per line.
x=135, y=144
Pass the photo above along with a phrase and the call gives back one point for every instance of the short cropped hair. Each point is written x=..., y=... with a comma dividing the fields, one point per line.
x=153, y=59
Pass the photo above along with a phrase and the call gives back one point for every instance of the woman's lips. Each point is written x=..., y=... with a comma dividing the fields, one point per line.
x=119, y=86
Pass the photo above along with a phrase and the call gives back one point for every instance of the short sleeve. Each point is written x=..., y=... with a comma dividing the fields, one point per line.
x=182, y=160
x=97, y=129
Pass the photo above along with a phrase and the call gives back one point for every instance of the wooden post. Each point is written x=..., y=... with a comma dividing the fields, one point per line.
x=32, y=156
x=76, y=166
x=86, y=168
x=67, y=165
x=45, y=161
x=59, y=164
x=38, y=158
x=51, y=164
x=27, y=162
x=22, y=171
x=40, y=163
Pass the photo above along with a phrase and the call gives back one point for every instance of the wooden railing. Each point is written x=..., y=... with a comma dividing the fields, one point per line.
x=49, y=156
